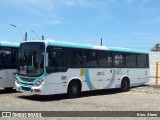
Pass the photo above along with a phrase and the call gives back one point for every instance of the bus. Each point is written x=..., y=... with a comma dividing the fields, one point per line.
x=8, y=64
x=53, y=67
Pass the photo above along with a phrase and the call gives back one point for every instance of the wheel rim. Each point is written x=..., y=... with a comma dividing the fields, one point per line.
x=74, y=89
x=124, y=85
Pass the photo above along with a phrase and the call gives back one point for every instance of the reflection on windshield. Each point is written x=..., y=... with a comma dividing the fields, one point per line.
x=31, y=63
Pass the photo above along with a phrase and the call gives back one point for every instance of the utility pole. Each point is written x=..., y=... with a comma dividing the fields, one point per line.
x=25, y=36
x=101, y=41
x=42, y=37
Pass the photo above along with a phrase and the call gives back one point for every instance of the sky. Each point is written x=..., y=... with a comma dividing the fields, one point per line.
x=120, y=23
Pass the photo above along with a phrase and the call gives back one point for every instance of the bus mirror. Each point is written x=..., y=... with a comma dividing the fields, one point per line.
x=47, y=59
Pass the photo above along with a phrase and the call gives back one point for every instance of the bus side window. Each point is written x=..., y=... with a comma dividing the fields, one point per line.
x=8, y=58
x=130, y=60
x=75, y=58
x=57, y=61
x=142, y=61
x=118, y=59
x=51, y=62
x=90, y=58
x=105, y=59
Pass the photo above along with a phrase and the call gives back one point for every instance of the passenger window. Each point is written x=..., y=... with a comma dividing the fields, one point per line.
x=8, y=58
x=142, y=61
x=105, y=59
x=130, y=60
x=118, y=59
x=75, y=58
x=57, y=61
x=90, y=58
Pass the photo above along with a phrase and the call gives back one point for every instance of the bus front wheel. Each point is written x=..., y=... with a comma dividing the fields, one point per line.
x=125, y=85
x=73, y=89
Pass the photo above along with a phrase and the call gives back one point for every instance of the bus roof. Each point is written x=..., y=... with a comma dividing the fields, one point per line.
x=89, y=46
x=9, y=44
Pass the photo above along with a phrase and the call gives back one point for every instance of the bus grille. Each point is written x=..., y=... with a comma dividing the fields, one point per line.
x=25, y=88
x=26, y=84
x=27, y=79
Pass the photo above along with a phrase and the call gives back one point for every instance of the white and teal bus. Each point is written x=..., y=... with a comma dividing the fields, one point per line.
x=8, y=63
x=53, y=67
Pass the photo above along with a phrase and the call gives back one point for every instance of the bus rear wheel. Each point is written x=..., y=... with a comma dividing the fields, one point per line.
x=125, y=85
x=73, y=89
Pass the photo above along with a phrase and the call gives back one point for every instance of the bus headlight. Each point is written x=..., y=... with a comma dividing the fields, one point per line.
x=39, y=83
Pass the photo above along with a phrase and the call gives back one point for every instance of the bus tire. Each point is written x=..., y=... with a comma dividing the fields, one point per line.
x=74, y=89
x=125, y=85
x=9, y=88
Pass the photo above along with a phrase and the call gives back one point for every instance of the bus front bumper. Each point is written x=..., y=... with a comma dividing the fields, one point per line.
x=33, y=90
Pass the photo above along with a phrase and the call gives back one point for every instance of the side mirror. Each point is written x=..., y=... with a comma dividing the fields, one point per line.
x=47, y=59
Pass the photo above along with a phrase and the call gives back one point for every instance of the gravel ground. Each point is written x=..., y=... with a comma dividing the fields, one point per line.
x=144, y=98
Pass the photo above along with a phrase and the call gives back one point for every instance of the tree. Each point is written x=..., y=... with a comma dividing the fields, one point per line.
x=156, y=48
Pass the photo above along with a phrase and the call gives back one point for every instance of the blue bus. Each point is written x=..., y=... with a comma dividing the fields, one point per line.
x=53, y=67
x=8, y=63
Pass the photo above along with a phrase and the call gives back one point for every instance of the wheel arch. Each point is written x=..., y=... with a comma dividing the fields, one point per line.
x=127, y=78
x=75, y=79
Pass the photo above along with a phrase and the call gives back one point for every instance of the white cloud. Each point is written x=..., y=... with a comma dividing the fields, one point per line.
x=54, y=22
x=32, y=5
x=49, y=10
x=145, y=1
x=130, y=1
x=34, y=25
x=81, y=3
x=52, y=6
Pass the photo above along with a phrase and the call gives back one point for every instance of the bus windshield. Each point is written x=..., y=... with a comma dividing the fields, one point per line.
x=31, y=59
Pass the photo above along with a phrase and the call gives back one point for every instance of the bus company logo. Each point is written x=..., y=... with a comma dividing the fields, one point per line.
x=6, y=114
x=100, y=73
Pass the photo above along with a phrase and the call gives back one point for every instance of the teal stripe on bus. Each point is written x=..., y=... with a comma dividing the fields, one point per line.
x=89, y=83
x=88, y=46
x=72, y=45
x=127, y=50
x=9, y=44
